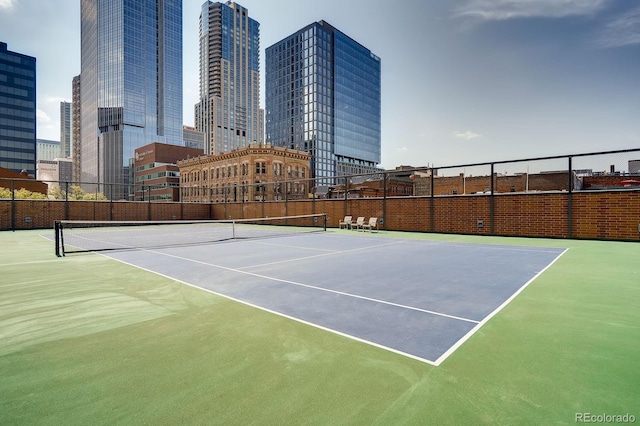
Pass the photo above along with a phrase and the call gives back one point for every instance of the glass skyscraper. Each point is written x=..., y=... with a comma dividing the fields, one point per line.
x=17, y=111
x=131, y=84
x=229, y=112
x=323, y=96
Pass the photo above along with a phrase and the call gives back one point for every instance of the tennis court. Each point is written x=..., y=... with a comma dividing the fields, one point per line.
x=421, y=299
x=86, y=339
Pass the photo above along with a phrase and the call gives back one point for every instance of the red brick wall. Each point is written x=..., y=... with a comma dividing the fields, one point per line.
x=607, y=215
x=600, y=214
x=534, y=215
x=40, y=214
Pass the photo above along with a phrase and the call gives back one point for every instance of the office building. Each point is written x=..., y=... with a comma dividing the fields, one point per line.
x=193, y=138
x=323, y=96
x=47, y=149
x=17, y=111
x=66, y=136
x=56, y=172
x=228, y=112
x=156, y=174
x=130, y=85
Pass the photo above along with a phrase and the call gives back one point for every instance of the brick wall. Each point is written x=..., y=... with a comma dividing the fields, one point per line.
x=600, y=214
x=450, y=185
x=40, y=214
x=607, y=215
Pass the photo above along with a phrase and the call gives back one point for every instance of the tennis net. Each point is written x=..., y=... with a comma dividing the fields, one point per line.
x=92, y=235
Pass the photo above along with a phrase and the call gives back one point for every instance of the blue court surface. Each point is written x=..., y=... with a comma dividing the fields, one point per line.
x=419, y=298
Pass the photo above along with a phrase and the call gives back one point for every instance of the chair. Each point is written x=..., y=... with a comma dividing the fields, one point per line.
x=346, y=222
x=371, y=225
x=359, y=223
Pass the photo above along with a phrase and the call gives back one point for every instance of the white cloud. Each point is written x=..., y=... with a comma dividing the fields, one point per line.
x=499, y=10
x=7, y=4
x=468, y=135
x=402, y=149
x=622, y=31
x=48, y=128
x=42, y=117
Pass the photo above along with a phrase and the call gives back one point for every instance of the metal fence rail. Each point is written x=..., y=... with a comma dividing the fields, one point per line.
x=617, y=170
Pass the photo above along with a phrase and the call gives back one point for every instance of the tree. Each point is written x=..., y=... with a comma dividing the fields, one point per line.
x=22, y=194
x=94, y=196
x=76, y=193
x=57, y=193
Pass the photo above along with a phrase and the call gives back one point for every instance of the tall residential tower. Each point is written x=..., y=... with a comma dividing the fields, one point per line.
x=228, y=112
x=75, y=129
x=323, y=96
x=131, y=84
x=17, y=111
x=66, y=135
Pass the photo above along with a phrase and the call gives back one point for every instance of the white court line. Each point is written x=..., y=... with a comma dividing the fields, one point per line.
x=341, y=293
x=330, y=253
x=471, y=332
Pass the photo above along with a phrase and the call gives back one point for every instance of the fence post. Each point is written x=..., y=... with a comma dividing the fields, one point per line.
x=570, y=200
x=432, y=206
x=210, y=191
x=13, y=205
x=346, y=195
x=313, y=199
x=111, y=201
x=66, y=200
x=385, y=179
x=492, y=202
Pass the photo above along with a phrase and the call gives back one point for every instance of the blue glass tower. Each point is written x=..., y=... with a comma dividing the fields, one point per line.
x=17, y=111
x=323, y=97
x=131, y=84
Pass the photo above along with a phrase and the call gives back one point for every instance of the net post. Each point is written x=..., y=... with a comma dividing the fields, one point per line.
x=57, y=237
x=325, y=222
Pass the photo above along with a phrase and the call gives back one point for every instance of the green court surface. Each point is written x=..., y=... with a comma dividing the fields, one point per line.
x=87, y=340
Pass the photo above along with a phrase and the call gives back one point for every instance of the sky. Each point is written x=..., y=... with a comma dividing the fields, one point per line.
x=463, y=81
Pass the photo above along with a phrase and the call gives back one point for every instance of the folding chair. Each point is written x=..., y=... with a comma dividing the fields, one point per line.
x=345, y=223
x=371, y=225
x=358, y=224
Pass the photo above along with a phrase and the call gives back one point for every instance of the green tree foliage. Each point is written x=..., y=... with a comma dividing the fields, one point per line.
x=22, y=194
x=75, y=193
x=95, y=196
x=56, y=193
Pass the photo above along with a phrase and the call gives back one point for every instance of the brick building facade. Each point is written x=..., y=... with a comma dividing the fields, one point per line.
x=255, y=173
x=156, y=174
